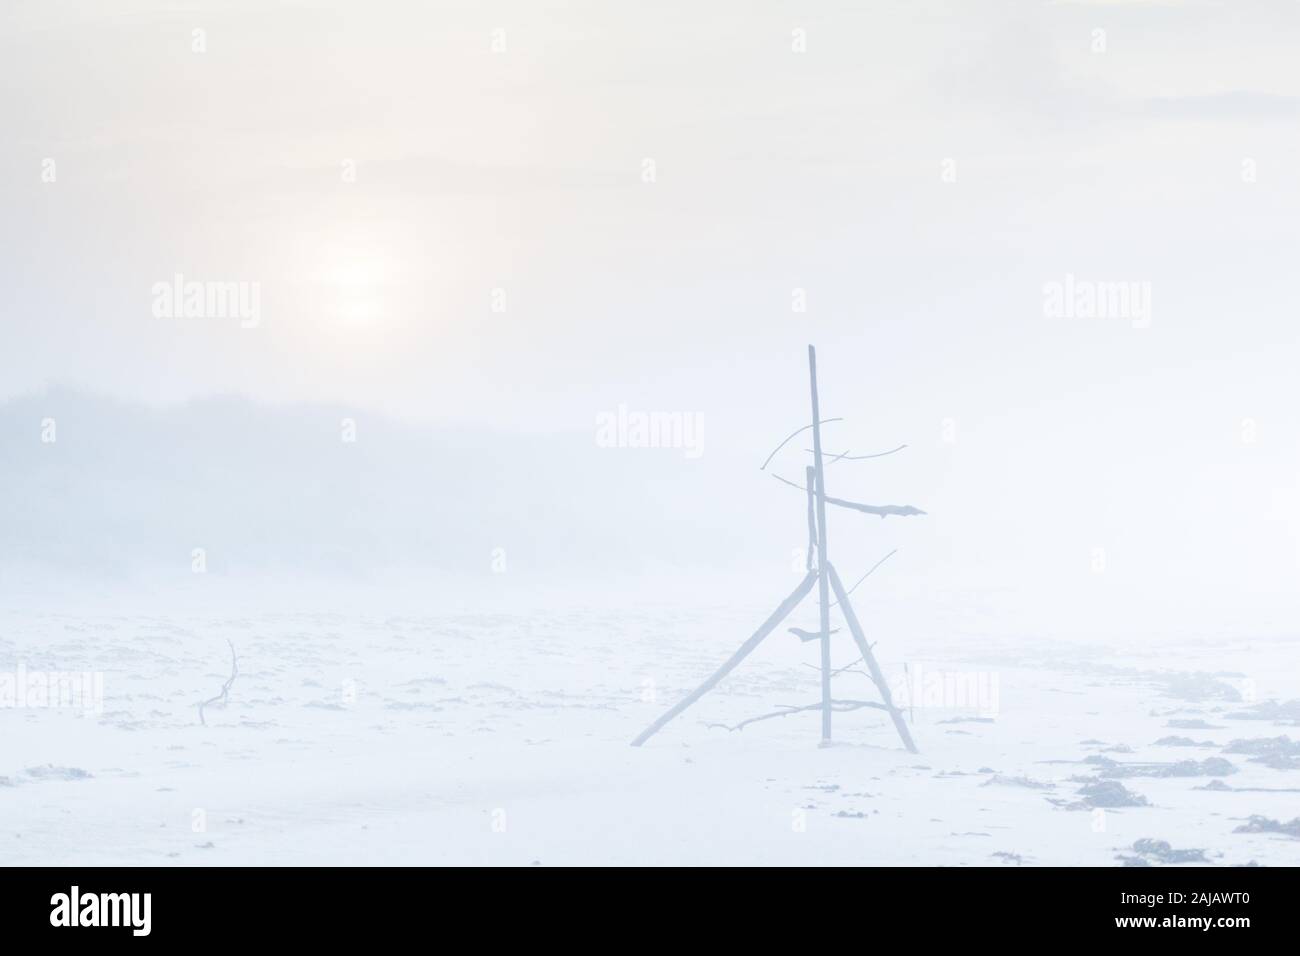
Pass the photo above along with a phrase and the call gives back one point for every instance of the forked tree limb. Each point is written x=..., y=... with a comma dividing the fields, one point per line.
x=877, y=677
x=766, y=628
x=224, y=697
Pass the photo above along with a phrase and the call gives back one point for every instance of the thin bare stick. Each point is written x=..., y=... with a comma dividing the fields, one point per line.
x=810, y=481
x=845, y=456
x=849, y=669
x=846, y=669
x=824, y=421
x=868, y=574
x=823, y=556
x=766, y=628
x=224, y=697
x=881, y=510
x=837, y=705
x=877, y=677
x=833, y=459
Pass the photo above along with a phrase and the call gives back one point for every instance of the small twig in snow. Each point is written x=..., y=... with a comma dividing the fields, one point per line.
x=224, y=697
x=836, y=705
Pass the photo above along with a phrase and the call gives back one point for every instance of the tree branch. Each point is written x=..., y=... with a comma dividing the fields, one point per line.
x=809, y=474
x=224, y=697
x=807, y=636
x=881, y=510
x=777, y=616
x=824, y=421
x=845, y=456
x=868, y=574
x=848, y=668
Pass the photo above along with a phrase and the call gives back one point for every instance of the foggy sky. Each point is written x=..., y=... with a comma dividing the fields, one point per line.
x=920, y=172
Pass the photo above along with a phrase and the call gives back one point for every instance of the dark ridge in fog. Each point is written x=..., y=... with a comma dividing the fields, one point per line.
x=125, y=487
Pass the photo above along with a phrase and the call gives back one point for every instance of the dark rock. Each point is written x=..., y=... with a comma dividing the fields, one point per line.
x=1209, y=767
x=1017, y=782
x=1161, y=850
x=1110, y=794
x=1259, y=824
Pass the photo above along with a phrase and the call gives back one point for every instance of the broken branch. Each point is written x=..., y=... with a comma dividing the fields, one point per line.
x=881, y=510
x=787, y=709
x=224, y=697
x=766, y=628
x=807, y=636
x=877, y=677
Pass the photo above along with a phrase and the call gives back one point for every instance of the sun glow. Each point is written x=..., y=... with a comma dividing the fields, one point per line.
x=351, y=281
x=359, y=289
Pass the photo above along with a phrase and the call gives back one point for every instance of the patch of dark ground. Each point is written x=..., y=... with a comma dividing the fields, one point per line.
x=1285, y=712
x=1279, y=753
x=1192, y=724
x=1209, y=767
x=1027, y=782
x=1105, y=794
x=1220, y=787
x=51, y=772
x=1148, y=851
x=1197, y=687
x=1261, y=824
x=1193, y=686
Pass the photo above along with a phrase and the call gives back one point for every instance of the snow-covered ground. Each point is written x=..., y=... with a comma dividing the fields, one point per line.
x=504, y=739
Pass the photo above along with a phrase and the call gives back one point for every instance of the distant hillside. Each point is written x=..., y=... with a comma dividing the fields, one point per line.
x=124, y=488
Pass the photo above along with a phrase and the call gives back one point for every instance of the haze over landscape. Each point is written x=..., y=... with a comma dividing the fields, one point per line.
x=440, y=247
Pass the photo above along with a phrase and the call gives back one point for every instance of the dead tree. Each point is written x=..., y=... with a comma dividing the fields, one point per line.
x=823, y=575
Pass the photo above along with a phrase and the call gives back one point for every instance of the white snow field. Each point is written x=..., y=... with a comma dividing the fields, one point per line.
x=504, y=739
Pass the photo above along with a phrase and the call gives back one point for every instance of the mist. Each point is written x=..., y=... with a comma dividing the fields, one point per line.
x=417, y=376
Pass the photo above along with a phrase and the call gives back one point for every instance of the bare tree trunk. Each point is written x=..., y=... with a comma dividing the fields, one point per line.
x=823, y=595
x=810, y=482
x=788, y=605
x=882, y=685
